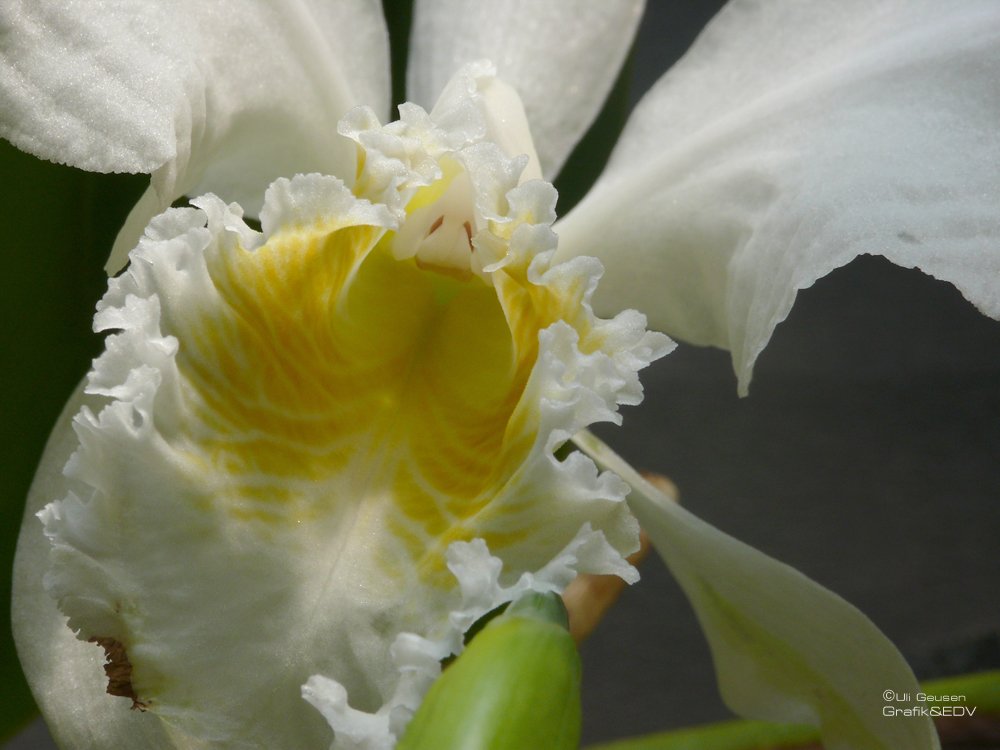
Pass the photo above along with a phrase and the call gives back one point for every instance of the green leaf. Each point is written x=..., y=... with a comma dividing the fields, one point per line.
x=398, y=19
x=730, y=735
x=980, y=691
x=58, y=227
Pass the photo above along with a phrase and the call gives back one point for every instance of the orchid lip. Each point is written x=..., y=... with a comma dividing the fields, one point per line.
x=330, y=443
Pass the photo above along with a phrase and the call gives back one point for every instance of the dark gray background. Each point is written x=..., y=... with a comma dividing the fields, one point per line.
x=866, y=456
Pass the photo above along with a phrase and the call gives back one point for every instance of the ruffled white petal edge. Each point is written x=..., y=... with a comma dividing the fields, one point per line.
x=418, y=658
x=124, y=539
x=562, y=58
x=790, y=139
x=785, y=648
x=66, y=675
x=207, y=97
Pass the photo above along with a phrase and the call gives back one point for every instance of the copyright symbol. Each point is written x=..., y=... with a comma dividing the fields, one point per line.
x=889, y=695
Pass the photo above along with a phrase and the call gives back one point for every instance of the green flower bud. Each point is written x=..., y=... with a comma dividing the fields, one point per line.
x=516, y=687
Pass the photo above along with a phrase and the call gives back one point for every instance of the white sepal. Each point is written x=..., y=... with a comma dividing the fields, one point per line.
x=791, y=138
x=206, y=97
x=561, y=58
x=785, y=648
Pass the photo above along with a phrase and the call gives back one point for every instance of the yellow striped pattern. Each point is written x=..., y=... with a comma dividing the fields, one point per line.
x=324, y=372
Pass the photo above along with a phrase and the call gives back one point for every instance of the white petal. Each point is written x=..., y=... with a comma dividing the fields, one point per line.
x=68, y=679
x=562, y=58
x=790, y=139
x=220, y=97
x=785, y=648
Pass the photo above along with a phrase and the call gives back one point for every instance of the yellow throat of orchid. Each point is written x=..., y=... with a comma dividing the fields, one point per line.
x=378, y=369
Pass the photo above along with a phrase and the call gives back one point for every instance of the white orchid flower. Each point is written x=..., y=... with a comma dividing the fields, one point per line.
x=314, y=454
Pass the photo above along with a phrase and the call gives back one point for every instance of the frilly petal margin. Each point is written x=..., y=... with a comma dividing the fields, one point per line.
x=418, y=659
x=785, y=648
x=206, y=97
x=579, y=44
x=68, y=680
x=791, y=138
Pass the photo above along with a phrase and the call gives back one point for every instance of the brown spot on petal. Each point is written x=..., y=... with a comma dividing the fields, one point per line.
x=118, y=669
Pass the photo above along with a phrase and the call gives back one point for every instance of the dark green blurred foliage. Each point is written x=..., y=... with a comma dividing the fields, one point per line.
x=58, y=226
x=398, y=17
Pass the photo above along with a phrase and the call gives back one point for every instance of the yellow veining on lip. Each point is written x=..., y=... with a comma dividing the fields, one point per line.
x=325, y=372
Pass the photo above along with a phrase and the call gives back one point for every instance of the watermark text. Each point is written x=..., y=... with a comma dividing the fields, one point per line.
x=925, y=704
